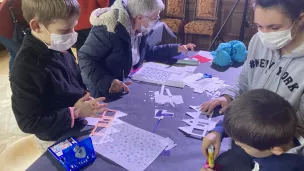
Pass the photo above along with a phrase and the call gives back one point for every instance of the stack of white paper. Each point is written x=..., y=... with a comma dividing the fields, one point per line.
x=163, y=74
x=210, y=86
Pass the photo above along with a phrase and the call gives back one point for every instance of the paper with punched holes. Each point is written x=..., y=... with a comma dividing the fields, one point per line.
x=163, y=74
x=132, y=148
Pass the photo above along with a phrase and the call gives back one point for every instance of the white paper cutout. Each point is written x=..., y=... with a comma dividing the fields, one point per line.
x=196, y=108
x=202, y=125
x=162, y=90
x=177, y=100
x=160, y=98
x=171, y=144
x=120, y=114
x=169, y=92
x=163, y=114
x=194, y=114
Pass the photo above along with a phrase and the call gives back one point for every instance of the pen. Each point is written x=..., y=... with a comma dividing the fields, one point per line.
x=211, y=156
x=123, y=79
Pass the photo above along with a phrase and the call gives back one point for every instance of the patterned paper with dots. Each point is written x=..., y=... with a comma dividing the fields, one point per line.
x=132, y=148
x=163, y=74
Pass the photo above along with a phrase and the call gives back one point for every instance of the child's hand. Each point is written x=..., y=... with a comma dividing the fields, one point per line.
x=213, y=138
x=85, y=108
x=211, y=105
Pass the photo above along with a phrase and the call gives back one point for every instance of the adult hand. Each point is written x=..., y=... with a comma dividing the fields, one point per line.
x=213, y=138
x=209, y=106
x=84, y=108
x=184, y=48
x=118, y=86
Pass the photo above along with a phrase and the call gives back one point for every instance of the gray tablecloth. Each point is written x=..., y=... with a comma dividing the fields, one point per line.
x=140, y=108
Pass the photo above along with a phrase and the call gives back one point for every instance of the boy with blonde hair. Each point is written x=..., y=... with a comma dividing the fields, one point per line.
x=49, y=97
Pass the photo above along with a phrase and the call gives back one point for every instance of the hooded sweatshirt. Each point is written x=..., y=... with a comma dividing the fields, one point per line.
x=268, y=69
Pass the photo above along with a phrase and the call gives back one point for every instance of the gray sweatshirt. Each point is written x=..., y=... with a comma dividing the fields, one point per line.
x=270, y=70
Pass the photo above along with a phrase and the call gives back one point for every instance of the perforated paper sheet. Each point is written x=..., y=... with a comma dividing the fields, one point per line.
x=132, y=148
x=163, y=74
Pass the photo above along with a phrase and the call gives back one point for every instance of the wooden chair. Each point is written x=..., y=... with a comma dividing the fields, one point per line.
x=205, y=18
x=174, y=16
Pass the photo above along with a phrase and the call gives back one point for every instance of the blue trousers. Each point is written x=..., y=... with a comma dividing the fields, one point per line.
x=12, y=49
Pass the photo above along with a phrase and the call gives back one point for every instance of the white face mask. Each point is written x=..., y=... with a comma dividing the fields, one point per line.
x=62, y=42
x=276, y=40
x=143, y=29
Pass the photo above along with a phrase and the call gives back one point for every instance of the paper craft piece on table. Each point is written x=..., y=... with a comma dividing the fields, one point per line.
x=105, y=120
x=132, y=148
x=177, y=100
x=163, y=74
x=196, y=108
x=191, y=79
x=168, y=92
x=92, y=121
x=160, y=98
x=160, y=114
x=171, y=144
x=205, y=54
x=201, y=59
x=120, y=114
x=194, y=114
x=198, y=127
x=209, y=85
x=162, y=90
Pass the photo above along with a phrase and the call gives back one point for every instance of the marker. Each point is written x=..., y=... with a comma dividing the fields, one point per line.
x=211, y=156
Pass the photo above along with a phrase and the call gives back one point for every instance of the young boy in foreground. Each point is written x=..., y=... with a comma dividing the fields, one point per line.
x=49, y=97
x=263, y=124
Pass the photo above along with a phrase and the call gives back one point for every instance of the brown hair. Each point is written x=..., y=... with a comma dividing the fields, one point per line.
x=48, y=10
x=293, y=8
x=261, y=119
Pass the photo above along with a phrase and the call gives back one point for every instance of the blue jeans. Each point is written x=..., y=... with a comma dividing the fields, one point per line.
x=12, y=49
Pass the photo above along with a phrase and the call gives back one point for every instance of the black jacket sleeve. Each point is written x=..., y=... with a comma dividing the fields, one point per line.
x=91, y=57
x=28, y=87
x=161, y=53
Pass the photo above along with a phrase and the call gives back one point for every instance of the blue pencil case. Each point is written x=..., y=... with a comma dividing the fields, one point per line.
x=74, y=155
